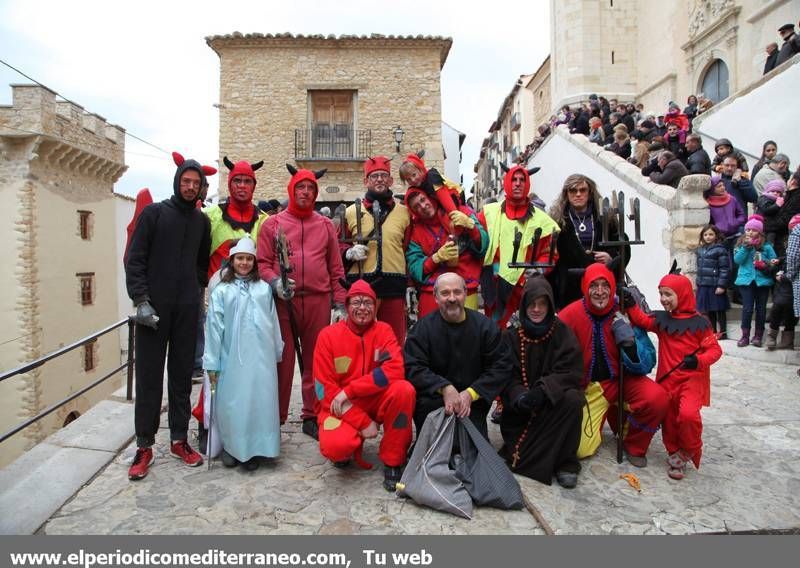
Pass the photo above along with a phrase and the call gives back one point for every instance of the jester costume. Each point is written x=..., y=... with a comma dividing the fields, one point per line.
x=367, y=364
x=502, y=289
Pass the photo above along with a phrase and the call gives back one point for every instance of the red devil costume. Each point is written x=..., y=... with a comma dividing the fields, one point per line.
x=646, y=402
x=367, y=364
x=238, y=217
x=443, y=191
x=167, y=265
x=687, y=347
x=317, y=270
x=384, y=269
x=430, y=235
x=502, y=286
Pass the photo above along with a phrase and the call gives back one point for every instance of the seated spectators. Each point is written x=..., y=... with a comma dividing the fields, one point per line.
x=695, y=158
x=671, y=170
x=596, y=133
x=674, y=139
x=724, y=148
x=691, y=109
x=621, y=145
x=675, y=116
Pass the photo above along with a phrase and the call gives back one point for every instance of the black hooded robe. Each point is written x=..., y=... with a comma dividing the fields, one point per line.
x=540, y=444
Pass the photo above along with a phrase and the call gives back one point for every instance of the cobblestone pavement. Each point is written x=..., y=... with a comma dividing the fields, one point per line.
x=749, y=480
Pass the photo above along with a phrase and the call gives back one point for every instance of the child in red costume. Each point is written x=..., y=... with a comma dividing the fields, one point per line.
x=687, y=347
x=414, y=172
x=360, y=382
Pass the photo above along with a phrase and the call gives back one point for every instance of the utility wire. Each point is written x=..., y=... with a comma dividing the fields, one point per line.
x=127, y=133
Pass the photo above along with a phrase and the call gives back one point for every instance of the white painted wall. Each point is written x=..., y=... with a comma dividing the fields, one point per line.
x=767, y=110
x=563, y=155
x=123, y=213
x=452, y=152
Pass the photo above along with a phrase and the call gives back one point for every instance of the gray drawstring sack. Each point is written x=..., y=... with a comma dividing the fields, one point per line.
x=428, y=478
x=483, y=472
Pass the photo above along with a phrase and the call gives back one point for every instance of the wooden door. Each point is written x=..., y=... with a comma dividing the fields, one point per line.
x=332, y=123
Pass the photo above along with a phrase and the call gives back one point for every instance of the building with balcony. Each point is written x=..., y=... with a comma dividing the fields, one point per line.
x=61, y=282
x=328, y=102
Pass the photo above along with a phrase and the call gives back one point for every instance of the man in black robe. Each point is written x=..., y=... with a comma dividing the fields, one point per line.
x=543, y=403
x=456, y=358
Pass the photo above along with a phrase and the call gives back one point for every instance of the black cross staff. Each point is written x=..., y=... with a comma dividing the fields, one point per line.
x=609, y=213
x=359, y=237
x=537, y=236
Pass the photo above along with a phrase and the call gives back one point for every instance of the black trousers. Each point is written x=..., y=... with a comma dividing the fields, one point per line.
x=427, y=404
x=782, y=314
x=177, y=328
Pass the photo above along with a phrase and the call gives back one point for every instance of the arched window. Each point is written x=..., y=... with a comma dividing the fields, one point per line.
x=715, y=81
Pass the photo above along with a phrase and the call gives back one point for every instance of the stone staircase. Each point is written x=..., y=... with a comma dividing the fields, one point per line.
x=729, y=347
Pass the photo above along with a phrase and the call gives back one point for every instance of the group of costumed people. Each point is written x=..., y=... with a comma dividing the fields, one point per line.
x=289, y=288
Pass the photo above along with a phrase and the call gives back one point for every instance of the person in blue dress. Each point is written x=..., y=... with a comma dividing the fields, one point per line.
x=243, y=347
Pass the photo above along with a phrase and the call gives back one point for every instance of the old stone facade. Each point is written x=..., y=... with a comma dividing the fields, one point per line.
x=328, y=102
x=655, y=52
x=57, y=170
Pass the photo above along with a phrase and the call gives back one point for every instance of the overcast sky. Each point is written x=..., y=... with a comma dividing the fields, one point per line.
x=146, y=66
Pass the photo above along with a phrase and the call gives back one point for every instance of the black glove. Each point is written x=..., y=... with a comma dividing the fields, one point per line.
x=627, y=300
x=531, y=401
x=146, y=315
x=689, y=362
x=622, y=330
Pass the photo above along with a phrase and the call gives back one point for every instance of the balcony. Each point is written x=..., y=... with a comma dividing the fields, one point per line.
x=516, y=121
x=337, y=142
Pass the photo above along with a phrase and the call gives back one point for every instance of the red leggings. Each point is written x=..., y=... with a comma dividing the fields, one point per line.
x=312, y=313
x=647, y=403
x=683, y=427
x=393, y=312
x=393, y=408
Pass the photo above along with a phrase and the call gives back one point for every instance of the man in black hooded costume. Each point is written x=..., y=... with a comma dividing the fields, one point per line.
x=167, y=265
x=543, y=403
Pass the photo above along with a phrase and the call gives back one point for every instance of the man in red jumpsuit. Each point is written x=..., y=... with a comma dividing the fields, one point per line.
x=601, y=334
x=313, y=289
x=359, y=381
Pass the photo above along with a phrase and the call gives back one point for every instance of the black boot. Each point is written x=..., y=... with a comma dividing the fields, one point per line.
x=391, y=476
x=202, y=439
x=311, y=428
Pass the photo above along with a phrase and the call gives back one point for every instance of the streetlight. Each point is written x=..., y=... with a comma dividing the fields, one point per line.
x=398, y=137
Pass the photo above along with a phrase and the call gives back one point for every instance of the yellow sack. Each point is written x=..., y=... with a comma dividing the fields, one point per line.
x=593, y=413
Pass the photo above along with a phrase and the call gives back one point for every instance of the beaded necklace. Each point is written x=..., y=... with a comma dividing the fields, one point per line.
x=524, y=341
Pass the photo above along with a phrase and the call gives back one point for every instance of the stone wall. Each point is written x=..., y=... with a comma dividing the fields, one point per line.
x=58, y=160
x=264, y=86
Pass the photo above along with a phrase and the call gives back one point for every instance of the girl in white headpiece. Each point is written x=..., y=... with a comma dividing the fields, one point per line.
x=243, y=346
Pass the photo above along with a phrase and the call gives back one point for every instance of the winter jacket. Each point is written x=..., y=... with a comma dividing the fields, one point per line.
x=748, y=273
x=769, y=64
x=622, y=150
x=675, y=145
x=765, y=175
x=769, y=209
x=793, y=266
x=791, y=207
x=789, y=49
x=729, y=218
x=672, y=174
x=734, y=152
x=698, y=162
x=742, y=190
x=713, y=266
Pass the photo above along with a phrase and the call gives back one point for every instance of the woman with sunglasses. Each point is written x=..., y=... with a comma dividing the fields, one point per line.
x=577, y=212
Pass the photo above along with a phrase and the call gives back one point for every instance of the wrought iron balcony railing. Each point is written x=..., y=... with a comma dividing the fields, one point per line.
x=337, y=142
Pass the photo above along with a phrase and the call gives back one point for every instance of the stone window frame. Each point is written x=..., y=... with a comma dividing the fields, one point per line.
x=86, y=288
x=90, y=356
x=85, y=224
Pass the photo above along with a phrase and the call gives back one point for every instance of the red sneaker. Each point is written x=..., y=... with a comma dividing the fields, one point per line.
x=141, y=464
x=183, y=451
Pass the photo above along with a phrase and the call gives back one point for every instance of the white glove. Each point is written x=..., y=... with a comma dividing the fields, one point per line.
x=356, y=253
x=339, y=313
x=279, y=291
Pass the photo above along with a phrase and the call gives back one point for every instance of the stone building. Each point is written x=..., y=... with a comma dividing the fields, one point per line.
x=655, y=52
x=328, y=102
x=58, y=167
